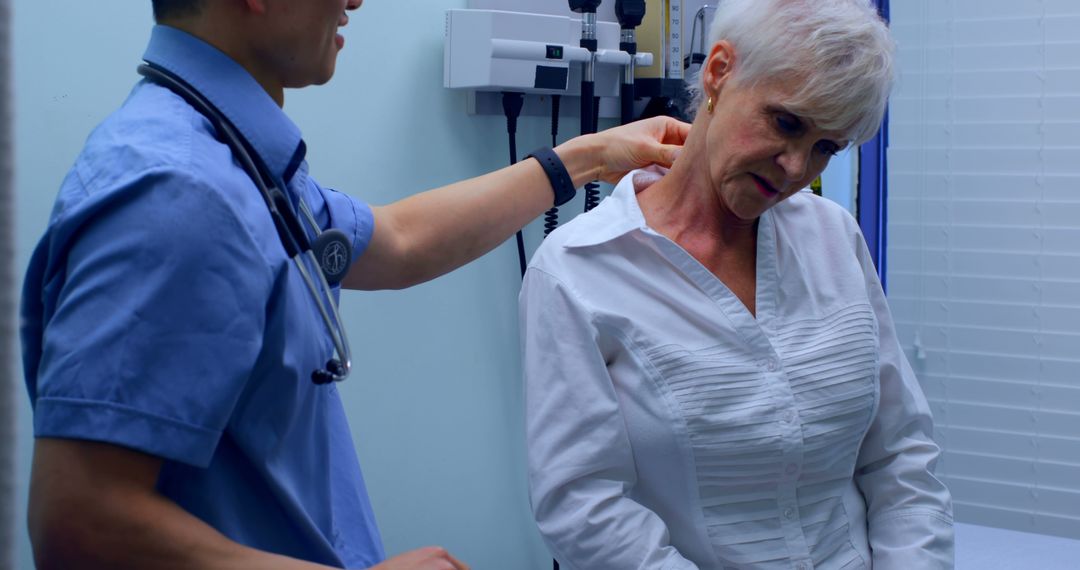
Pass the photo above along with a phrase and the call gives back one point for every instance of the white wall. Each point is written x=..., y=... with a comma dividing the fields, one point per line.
x=435, y=402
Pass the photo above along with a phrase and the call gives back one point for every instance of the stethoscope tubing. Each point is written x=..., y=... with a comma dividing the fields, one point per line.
x=290, y=231
x=341, y=343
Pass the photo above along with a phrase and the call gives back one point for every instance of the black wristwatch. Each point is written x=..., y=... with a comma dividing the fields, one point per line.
x=561, y=183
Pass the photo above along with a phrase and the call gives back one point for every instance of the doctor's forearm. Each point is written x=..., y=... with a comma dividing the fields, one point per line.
x=427, y=235
x=95, y=506
x=151, y=532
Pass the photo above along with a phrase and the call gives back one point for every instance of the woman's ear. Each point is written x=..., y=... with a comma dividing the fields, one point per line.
x=719, y=67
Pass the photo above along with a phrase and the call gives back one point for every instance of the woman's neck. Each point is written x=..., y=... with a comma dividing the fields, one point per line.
x=685, y=207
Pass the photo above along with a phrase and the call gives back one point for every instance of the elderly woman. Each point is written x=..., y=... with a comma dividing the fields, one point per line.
x=713, y=378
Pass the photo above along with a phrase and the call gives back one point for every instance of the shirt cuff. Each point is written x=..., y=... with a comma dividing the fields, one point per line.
x=912, y=538
x=125, y=426
x=351, y=216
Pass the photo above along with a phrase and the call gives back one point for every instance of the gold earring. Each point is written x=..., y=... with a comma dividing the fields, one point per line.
x=709, y=105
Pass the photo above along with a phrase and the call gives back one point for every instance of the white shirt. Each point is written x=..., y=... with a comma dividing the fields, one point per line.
x=669, y=428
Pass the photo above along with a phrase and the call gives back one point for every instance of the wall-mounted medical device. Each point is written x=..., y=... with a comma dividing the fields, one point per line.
x=616, y=58
x=499, y=45
x=492, y=51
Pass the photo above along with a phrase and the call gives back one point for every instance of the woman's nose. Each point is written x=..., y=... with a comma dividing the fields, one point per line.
x=795, y=160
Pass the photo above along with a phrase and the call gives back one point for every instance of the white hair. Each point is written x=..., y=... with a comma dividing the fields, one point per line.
x=840, y=51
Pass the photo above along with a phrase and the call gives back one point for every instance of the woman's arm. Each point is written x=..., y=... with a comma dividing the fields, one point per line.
x=909, y=511
x=580, y=462
x=423, y=236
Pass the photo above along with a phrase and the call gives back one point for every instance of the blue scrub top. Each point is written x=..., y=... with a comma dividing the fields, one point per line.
x=160, y=313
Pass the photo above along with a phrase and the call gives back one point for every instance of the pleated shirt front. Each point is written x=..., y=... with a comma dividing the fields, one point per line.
x=668, y=427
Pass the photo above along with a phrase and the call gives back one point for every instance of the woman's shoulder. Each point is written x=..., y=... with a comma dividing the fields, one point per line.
x=809, y=213
x=583, y=237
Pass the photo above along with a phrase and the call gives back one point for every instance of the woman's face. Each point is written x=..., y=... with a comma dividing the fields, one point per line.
x=758, y=152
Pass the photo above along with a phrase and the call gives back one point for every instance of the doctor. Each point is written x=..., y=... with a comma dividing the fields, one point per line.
x=168, y=340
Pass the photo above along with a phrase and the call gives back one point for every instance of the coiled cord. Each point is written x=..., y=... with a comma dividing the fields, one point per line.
x=592, y=196
x=551, y=217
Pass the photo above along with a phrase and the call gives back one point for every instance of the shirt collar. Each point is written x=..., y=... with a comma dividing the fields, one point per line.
x=615, y=217
x=235, y=93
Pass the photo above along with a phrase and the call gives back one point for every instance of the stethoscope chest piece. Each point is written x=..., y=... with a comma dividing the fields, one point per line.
x=334, y=254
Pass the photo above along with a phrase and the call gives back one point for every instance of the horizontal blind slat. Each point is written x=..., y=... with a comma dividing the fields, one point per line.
x=1027, y=520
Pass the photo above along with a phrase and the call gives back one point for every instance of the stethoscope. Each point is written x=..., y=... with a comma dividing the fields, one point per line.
x=331, y=252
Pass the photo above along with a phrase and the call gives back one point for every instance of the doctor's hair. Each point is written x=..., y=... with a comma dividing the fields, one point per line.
x=840, y=50
x=172, y=9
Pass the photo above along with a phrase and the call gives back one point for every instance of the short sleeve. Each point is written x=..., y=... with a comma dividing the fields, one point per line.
x=158, y=298
x=338, y=210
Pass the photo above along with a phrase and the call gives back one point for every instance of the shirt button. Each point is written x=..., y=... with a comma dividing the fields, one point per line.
x=791, y=468
x=771, y=365
x=802, y=566
x=789, y=513
x=789, y=417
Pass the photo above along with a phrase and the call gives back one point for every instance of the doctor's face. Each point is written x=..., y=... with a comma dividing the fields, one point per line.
x=305, y=39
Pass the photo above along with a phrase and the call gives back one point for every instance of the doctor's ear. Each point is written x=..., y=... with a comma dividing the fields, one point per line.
x=719, y=66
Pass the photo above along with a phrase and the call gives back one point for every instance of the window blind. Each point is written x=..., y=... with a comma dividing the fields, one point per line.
x=984, y=248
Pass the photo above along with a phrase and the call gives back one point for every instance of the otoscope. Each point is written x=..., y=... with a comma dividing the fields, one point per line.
x=587, y=9
x=630, y=14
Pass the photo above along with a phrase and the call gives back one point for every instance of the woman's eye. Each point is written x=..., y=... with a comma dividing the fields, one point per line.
x=828, y=148
x=789, y=124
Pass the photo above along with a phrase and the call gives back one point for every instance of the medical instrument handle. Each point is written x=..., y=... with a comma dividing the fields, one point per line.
x=588, y=126
x=613, y=57
x=588, y=121
x=589, y=103
x=626, y=102
x=535, y=51
x=630, y=14
x=523, y=50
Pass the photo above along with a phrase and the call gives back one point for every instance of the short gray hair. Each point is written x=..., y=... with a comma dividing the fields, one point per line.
x=841, y=50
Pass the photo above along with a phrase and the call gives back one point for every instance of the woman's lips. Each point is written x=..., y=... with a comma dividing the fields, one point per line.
x=764, y=187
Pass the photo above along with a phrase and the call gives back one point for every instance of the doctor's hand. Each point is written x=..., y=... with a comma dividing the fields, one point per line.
x=429, y=558
x=618, y=151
